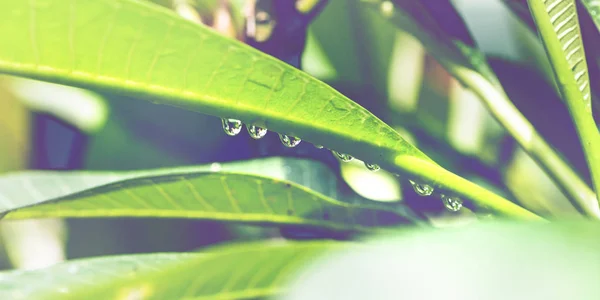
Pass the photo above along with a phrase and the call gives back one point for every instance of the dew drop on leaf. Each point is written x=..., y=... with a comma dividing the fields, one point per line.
x=372, y=167
x=232, y=127
x=452, y=203
x=422, y=189
x=215, y=167
x=343, y=157
x=256, y=132
x=318, y=146
x=289, y=141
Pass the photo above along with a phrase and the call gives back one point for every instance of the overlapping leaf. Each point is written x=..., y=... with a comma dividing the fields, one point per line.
x=190, y=192
x=241, y=271
x=562, y=259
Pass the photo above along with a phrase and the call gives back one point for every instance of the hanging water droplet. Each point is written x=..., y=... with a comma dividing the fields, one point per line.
x=343, y=157
x=232, y=127
x=215, y=167
x=289, y=141
x=372, y=167
x=422, y=189
x=256, y=132
x=452, y=203
x=318, y=146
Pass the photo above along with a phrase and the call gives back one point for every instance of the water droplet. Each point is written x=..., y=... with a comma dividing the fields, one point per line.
x=256, y=132
x=387, y=8
x=318, y=146
x=289, y=141
x=232, y=126
x=422, y=189
x=372, y=167
x=452, y=203
x=215, y=167
x=343, y=157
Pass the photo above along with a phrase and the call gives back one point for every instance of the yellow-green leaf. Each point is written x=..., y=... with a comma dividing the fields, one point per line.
x=241, y=271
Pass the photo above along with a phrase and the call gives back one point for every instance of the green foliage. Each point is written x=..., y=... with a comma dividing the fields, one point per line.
x=139, y=49
x=229, y=80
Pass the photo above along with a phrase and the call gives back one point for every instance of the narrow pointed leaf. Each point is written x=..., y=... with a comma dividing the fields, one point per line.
x=189, y=192
x=241, y=271
x=558, y=26
x=143, y=50
x=592, y=42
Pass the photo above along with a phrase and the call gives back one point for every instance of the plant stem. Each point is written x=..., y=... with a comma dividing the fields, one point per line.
x=532, y=142
x=444, y=179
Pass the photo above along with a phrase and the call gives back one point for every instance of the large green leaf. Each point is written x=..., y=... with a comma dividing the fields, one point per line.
x=190, y=192
x=558, y=26
x=241, y=271
x=559, y=260
x=592, y=44
x=144, y=50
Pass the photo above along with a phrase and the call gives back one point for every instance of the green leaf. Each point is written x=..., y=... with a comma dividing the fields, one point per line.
x=240, y=271
x=446, y=37
x=144, y=50
x=559, y=30
x=485, y=261
x=189, y=192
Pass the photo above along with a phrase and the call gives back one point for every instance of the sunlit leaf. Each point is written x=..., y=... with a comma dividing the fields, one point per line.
x=144, y=50
x=241, y=271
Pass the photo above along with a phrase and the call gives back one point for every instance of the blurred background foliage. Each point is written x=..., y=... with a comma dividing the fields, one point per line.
x=349, y=47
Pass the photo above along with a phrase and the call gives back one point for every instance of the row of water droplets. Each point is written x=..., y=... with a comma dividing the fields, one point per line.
x=451, y=203
x=233, y=127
